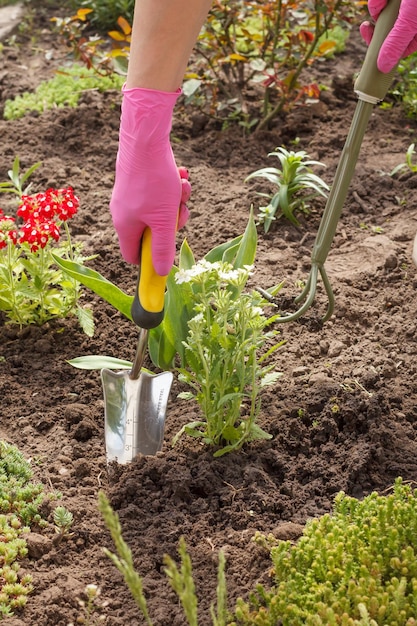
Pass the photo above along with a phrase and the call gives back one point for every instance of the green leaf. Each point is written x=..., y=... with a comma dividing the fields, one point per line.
x=229, y=255
x=166, y=340
x=186, y=260
x=98, y=362
x=247, y=248
x=270, y=378
x=86, y=320
x=231, y=434
x=191, y=429
x=227, y=398
x=185, y=395
x=256, y=432
x=97, y=283
x=217, y=253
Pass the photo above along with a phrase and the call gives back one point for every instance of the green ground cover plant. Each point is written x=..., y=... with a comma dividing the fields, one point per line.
x=32, y=289
x=20, y=501
x=354, y=567
x=64, y=89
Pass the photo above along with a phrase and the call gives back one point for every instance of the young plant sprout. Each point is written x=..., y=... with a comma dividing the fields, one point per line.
x=296, y=186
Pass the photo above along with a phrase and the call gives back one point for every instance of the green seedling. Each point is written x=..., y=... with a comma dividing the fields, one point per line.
x=296, y=185
x=408, y=164
x=225, y=351
x=63, y=520
x=90, y=607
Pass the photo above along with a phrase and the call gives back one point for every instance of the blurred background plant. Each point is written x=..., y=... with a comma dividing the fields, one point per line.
x=262, y=52
x=103, y=54
x=404, y=88
x=105, y=13
x=252, y=60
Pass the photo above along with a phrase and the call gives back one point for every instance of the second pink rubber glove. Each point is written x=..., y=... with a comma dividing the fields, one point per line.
x=401, y=41
x=149, y=190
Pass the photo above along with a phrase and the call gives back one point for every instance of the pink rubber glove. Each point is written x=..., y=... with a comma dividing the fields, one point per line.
x=149, y=190
x=402, y=39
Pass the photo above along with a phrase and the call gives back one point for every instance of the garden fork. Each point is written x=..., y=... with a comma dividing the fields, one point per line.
x=371, y=87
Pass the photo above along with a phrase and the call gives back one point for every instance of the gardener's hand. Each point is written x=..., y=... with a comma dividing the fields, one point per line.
x=149, y=190
x=401, y=41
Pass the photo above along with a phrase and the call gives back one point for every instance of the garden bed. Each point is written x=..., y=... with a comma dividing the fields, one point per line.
x=343, y=416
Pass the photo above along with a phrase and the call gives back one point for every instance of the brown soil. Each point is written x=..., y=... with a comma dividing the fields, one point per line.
x=343, y=416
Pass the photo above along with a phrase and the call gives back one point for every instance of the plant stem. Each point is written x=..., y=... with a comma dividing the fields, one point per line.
x=12, y=285
x=42, y=289
x=76, y=284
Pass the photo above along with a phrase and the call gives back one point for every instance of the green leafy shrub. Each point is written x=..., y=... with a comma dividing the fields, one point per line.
x=64, y=89
x=355, y=567
x=106, y=12
x=258, y=51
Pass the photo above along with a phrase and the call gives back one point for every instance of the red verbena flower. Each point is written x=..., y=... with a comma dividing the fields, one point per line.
x=52, y=203
x=37, y=233
x=66, y=202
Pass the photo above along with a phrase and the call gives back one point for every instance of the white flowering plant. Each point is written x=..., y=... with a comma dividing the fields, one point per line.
x=166, y=342
x=224, y=355
x=213, y=334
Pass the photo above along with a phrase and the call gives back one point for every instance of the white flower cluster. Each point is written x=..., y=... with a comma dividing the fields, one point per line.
x=225, y=272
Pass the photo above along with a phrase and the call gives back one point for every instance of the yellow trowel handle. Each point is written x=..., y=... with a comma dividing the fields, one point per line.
x=148, y=303
x=371, y=84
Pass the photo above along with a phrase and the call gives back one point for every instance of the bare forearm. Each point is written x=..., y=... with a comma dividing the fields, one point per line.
x=163, y=36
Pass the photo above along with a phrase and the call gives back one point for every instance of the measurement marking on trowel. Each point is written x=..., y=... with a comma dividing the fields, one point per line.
x=160, y=402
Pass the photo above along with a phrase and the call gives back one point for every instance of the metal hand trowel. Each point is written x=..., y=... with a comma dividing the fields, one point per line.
x=135, y=402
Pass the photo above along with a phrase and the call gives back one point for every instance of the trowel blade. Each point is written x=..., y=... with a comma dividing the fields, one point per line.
x=134, y=413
